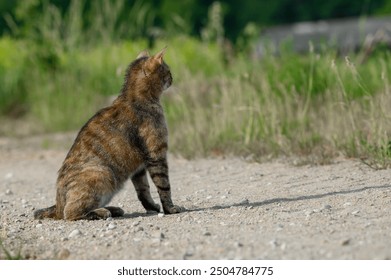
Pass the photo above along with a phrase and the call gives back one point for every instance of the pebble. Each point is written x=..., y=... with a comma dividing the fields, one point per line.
x=355, y=212
x=63, y=254
x=345, y=242
x=159, y=235
x=244, y=201
x=8, y=176
x=74, y=233
x=160, y=215
x=112, y=226
x=8, y=192
x=309, y=213
x=136, y=223
x=109, y=219
x=38, y=225
x=138, y=229
x=274, y=243
x=209, y=197
x=207, y=233
x=326, y=207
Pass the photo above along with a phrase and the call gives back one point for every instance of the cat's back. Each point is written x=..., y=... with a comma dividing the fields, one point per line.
x=106, y=141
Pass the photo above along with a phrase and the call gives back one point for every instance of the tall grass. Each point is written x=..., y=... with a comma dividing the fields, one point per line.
x=314, y=107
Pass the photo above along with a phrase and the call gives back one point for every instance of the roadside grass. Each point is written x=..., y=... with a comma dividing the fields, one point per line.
x=8, y=254
x=313, y=107
x=316, y=108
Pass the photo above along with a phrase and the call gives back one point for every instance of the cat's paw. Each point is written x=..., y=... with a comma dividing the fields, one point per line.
x=98, y=214
x=152, y=207
x=115, y=211
x=174, y=209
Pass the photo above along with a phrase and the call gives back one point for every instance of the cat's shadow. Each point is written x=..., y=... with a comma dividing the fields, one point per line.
x=137, y=215
x=262, y=203
x=291, y=199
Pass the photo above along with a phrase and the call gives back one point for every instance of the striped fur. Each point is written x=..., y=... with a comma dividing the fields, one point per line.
x=125, y=140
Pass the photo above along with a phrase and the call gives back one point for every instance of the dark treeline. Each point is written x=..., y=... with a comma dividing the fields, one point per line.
x=191, y=16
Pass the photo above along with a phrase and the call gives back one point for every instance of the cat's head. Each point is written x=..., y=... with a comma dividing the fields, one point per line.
x=153, y=69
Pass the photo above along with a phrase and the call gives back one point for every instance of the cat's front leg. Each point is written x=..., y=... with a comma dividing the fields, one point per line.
x=158, y=170
x=141, y=185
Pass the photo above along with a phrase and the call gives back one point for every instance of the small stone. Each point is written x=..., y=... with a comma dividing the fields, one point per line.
x=245, y=201
x=8, y=176
x=74, y=233
x=8, y=192
x=138, y=229
x=207, y=233
x=158, y=235
x=280, y=227
x=136, y=223
x=24, y=201
x=309, y=213
x=345, y=242
x=109, y=219
x=326, y=207
x=274, y=243
x=38, y=225
x=63, y=254
x=238, y=244
x=355, y=212
x=111, y=226
x=160, y=215
x=209, y=197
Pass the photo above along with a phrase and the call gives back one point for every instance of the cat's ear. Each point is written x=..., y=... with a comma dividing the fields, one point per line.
x=144, y=53
x=159, y=56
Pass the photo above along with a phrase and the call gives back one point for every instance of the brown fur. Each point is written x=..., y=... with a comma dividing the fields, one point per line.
x=124, y=140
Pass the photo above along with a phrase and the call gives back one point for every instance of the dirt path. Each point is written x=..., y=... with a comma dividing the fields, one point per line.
x=236, y=210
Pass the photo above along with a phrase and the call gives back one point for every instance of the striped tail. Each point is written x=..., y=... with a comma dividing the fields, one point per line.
x=45, y=213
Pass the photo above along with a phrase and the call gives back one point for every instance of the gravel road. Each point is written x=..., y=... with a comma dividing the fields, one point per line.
x=235, y=210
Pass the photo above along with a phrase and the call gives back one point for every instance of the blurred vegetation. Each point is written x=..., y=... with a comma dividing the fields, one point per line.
x=60, y=61
x=153, y=18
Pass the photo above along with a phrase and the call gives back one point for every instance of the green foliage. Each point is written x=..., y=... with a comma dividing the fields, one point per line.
x=130, y=18
x=8, y=254
x=13, y=67
x=61, y=71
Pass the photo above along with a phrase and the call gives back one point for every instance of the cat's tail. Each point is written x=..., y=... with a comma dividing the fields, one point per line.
x=45, y=213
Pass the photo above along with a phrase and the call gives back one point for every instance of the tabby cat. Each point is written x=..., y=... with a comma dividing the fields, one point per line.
x=124, y=140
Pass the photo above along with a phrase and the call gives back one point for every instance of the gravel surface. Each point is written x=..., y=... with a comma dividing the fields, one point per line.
x=235, y=210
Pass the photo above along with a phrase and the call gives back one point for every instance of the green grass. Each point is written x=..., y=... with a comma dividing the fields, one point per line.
x=315, y=107
x=8, y=255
